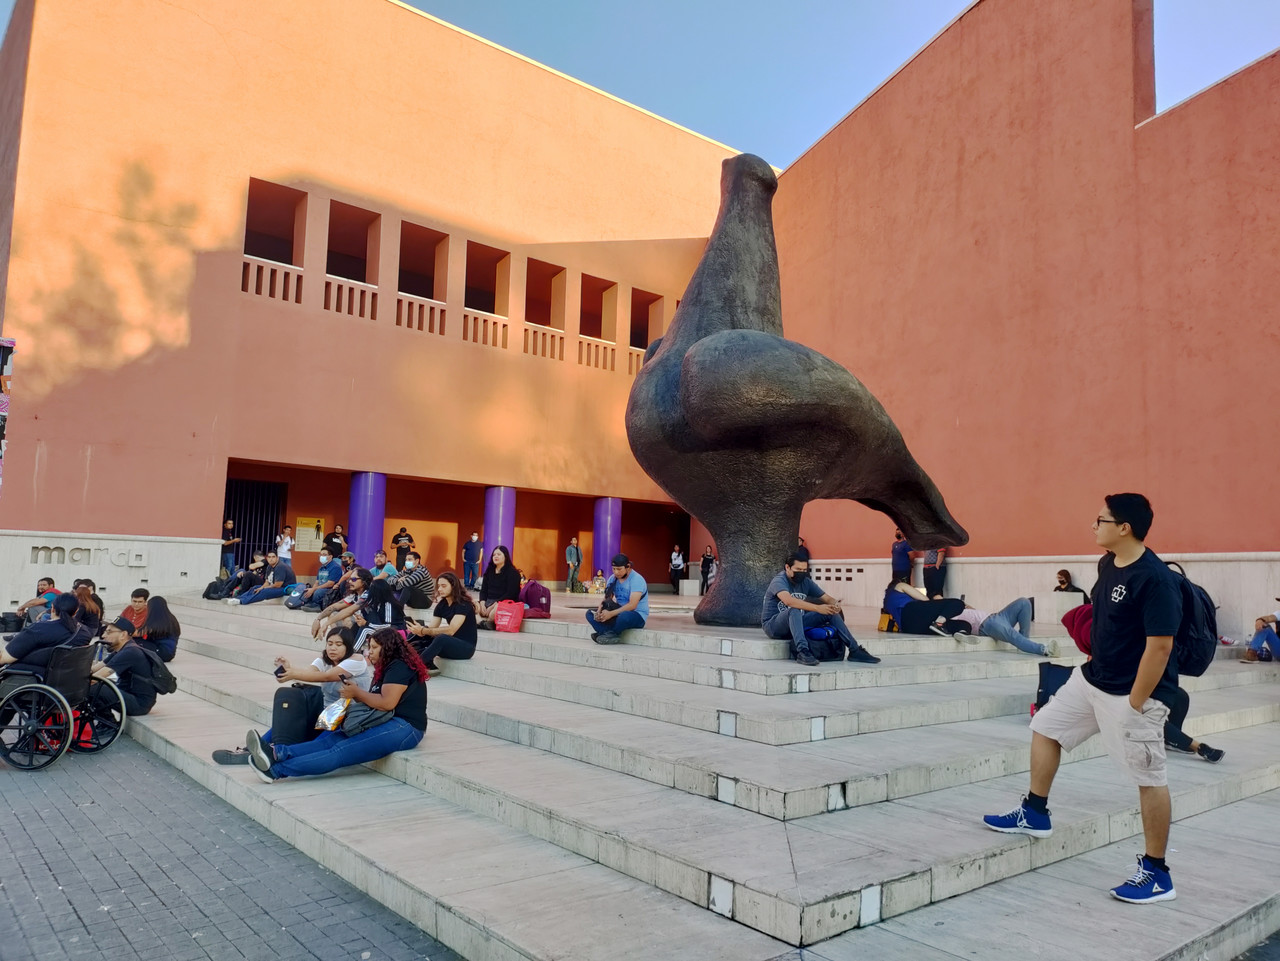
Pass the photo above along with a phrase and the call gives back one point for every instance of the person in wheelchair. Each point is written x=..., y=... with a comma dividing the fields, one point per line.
x=130, y=666
x=30, y=648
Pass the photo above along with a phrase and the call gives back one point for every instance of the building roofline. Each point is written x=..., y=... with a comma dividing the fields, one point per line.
x=563, y=76
x=885, y=82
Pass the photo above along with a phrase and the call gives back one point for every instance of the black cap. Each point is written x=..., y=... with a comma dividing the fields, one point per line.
x=621, y=560
x=124, y=624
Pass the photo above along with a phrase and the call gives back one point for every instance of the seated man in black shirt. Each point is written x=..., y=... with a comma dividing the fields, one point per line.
x=1137, y=608
x=131, y=667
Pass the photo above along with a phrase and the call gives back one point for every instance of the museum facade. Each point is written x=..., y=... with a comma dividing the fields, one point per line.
x=347, y=263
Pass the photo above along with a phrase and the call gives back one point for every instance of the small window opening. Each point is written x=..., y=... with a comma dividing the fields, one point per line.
x=487, y=278
x=352, y=230
x=644, y=307
x=594, y=291
x=424, y=258
x=273, y=221
x=544, y=294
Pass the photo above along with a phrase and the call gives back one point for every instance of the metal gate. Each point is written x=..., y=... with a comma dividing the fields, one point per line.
x=257, y=507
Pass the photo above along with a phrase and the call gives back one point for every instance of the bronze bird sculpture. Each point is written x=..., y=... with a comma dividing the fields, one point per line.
x=742, y=428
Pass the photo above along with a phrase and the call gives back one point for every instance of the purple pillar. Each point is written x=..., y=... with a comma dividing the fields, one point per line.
x=367, y=516
x=499, y=522
x=606, y=540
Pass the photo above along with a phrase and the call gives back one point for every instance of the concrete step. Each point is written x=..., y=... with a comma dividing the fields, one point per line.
x=799, y=881
x=672, y=631
x=781, y=719
x=482, y=888
x=783, y=783
x=1223, y=864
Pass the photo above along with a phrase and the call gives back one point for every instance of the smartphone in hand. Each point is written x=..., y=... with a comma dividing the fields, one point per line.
x=279, y=670
x=345, y=678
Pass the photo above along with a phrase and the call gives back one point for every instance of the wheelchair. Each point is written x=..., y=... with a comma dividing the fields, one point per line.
x=58, y=708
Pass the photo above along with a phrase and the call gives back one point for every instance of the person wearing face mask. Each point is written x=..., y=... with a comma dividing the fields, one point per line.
x=471, y=553
x=414, y=587
x=316, y=597
x=793, y=603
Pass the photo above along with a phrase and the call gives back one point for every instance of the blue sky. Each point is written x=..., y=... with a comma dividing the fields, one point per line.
x=772, y=78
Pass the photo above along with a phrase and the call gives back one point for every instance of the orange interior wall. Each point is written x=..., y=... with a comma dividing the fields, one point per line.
x=1051, y=304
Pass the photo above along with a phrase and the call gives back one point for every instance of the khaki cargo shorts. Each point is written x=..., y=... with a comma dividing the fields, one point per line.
x=1135, y=741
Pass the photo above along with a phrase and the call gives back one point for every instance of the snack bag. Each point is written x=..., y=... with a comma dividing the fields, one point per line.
x=331, y=717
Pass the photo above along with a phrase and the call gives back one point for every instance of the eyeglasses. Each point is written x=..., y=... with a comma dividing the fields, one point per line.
x=1099, y=521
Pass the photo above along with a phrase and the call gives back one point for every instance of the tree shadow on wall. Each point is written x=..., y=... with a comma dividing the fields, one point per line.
x=125, y=293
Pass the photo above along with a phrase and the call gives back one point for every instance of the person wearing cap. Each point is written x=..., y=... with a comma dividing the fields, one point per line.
x=625, y=606
x=131, y=667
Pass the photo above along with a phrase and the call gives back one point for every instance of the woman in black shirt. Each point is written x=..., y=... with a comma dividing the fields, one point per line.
x=380, y=609
x=399, y=685
x=501, y=583
x=452, y=631
x=159, y=633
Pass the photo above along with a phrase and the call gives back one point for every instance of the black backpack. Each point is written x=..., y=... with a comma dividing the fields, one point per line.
x=1197, y=639
x=161, y=678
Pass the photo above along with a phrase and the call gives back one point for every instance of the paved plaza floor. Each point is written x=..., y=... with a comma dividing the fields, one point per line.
x=119, y=857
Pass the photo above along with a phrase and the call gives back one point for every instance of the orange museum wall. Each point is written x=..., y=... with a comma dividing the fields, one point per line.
x=1053, y=293
x=142, y=368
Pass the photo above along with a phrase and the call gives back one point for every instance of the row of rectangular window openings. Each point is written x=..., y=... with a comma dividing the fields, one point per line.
x=274, y=213
x=288, y=287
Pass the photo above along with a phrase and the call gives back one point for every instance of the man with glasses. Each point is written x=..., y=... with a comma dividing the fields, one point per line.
x=1137, y=607
x=793, y=603
x=130, y=667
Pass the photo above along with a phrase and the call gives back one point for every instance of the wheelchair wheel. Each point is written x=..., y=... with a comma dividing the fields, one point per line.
x=101, y=719
x=35, y=727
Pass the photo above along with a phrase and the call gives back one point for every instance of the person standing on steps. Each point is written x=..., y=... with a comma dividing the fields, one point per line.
x=403, y=543
x=229, y=542
x=708, y=562
x=793, y=603
x=573, y=560
x=1136, y=612
x=676, y=571
x=900, y=557
x=935, y=572
x=471, y=552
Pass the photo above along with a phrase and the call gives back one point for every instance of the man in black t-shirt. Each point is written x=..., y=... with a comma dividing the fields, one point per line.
x=1137, y=607
x=131, y=666
x=403, y=543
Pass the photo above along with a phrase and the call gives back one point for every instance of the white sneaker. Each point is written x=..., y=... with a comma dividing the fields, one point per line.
x=1051, y=647
x=964, y=637
x=233, y=600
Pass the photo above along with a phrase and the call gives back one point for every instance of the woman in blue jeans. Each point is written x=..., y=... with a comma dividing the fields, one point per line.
x=399, y=685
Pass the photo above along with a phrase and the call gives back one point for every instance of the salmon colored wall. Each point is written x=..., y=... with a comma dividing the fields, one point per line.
x=13, y=73
x=1051, y=305
x=140, y=357
x=648, y=533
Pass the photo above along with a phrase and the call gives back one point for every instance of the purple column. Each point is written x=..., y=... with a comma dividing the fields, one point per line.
x=367, y=516
x=606, y=540
x=499, y=522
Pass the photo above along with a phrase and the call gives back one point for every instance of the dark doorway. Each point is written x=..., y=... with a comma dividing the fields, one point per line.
x=257, y=507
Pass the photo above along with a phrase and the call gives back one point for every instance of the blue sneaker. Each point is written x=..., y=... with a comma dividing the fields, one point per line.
x=1148, y=884
x=1021, y=820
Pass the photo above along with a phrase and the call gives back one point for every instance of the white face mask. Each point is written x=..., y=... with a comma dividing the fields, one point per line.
x=408, y=564
x=324, y=559
x=474, y=537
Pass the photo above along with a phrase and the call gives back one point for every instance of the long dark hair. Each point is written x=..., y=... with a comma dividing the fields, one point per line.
x=380, y=594
x=345, y=636
x=393, y=647
x=65, y=606
x=160, y=621
x=457, y=592
x=506, y=563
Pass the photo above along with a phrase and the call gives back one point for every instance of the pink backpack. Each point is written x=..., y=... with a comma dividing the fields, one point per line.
x=538, y=599
x=508, y=617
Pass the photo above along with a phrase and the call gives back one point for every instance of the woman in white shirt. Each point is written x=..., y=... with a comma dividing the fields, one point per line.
x=284, y=545
x=677, y=569
x=339, y=658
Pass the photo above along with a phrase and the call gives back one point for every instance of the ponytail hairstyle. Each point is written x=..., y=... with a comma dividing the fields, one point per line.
x=65, y=606
x=87, y=604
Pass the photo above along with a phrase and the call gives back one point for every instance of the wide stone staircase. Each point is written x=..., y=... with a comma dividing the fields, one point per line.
x=695, y=794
